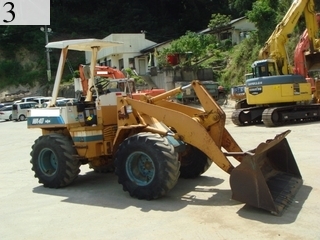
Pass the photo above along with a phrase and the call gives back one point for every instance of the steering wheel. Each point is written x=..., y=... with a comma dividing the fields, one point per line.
x=100, y=86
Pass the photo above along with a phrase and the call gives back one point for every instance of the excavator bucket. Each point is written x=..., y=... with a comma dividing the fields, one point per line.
x=312, y=61
x=268, y=176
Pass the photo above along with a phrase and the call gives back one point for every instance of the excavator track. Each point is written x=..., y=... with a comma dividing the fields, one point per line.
x=247, y=116
x=278, y=116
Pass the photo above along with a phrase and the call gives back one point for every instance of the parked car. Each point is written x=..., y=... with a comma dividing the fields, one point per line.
x=5, y=104
x=30, y=99
x=43, y=101
x=61, y=102
x=20, y=109
x=6, y=113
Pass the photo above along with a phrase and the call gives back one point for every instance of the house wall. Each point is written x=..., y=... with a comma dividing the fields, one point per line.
x=238, y=30
x=167, y=78
x=241, y=30
x=132, y=45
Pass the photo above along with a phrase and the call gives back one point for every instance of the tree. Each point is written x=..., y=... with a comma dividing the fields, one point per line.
x=190, y=47
x=262, y=10
x=219, y=20
x=241, y=6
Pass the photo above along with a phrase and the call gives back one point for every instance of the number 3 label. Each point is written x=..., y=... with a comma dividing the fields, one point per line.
x=10, y=12
x=24, y=12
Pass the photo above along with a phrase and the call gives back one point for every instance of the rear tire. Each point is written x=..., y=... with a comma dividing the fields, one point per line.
x=53, y=162
x=147, y=166
x=193, y=162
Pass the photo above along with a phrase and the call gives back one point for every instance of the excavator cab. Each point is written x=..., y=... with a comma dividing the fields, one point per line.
x=264, y=68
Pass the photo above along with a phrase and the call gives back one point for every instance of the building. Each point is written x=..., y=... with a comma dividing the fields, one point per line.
x=237, y=30
x=139, y=53
x=127, y=55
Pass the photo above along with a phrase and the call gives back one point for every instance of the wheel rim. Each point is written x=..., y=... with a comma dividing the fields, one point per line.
x=21, y=118
x=48, y=162
x=140, y=168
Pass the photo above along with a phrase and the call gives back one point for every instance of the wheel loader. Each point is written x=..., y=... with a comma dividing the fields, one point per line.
x=152, y=141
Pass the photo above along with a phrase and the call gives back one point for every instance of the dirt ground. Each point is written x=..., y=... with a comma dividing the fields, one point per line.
x=96, y=207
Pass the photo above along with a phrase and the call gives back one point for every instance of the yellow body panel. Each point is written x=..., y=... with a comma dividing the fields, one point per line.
x=107, y=115
x=278, y=93
x=88, y=141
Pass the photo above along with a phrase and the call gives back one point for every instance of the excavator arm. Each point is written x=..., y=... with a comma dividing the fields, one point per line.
x=274, y=48
x=306, y=55
x=102, y=71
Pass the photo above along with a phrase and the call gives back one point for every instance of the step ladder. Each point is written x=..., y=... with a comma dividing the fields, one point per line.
x=70, y=66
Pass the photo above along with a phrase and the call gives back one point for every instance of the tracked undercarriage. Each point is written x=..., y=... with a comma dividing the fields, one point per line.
x=276, y=116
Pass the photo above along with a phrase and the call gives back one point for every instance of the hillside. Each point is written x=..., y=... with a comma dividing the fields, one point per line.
x=23, y=56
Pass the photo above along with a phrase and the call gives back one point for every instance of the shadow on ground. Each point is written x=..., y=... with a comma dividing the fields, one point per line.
x=103, y=190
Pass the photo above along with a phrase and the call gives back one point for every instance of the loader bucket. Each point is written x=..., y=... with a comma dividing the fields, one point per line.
x=268, y=178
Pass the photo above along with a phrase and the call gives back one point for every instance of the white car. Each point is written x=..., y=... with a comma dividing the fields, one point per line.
x=6, y=113
x=61, y=102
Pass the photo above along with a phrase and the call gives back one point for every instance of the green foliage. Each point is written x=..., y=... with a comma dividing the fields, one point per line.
x=131, y=74
x=262, y=10
x=13, y=73
x=76, y=74
x=190, y=47
x=219, y=20
x=240, y=60
x=242, y=6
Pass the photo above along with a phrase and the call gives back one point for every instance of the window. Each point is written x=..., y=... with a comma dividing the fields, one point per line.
x=131, y=63
x=121, y=65
x=225, y=35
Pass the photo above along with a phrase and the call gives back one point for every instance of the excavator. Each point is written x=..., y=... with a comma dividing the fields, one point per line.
x=152, y=142
x=110, y=79
x=300, y=66
x=278, y=96
x=238, y=93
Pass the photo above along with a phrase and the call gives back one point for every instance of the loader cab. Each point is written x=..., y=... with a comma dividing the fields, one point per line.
x=263, y=68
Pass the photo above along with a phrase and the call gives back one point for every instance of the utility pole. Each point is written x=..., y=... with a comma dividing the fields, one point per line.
x=47, y=30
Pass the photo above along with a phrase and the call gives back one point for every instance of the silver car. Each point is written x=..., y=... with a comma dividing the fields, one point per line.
x=6, y=113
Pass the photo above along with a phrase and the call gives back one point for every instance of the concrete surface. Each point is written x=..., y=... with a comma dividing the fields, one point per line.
x=95, y=206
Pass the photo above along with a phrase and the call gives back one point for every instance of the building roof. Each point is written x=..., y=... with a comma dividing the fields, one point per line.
x=148, y=49
x=226, y=26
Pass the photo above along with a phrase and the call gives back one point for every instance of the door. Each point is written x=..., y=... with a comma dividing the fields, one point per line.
x=142, y=67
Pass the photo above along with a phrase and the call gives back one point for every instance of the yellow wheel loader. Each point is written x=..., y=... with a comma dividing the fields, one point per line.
x=152, y=141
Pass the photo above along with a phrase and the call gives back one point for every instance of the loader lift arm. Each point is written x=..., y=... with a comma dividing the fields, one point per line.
x=260, y=170
x=198, y=126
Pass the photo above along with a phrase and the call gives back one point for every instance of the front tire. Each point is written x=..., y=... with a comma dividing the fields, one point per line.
x=53, y=161
x=147, y=166
x=22, y=117
x=193, y=162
